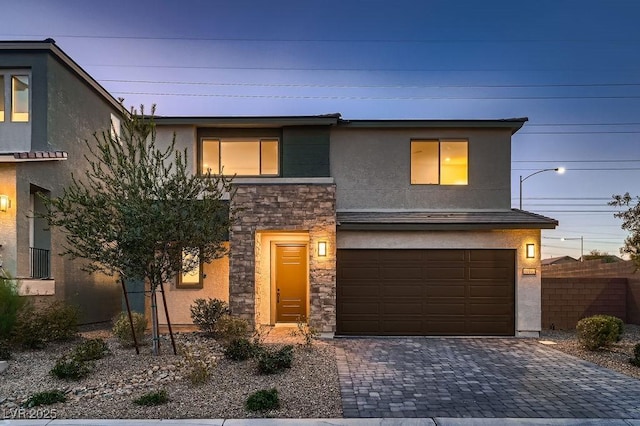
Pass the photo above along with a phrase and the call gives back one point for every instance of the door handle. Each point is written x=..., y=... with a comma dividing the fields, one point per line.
x=278, y=296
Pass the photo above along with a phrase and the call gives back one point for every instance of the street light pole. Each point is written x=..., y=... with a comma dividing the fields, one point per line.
x=581, y=245
x=560, y=170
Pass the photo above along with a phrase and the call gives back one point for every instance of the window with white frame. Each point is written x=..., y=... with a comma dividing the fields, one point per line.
x=240, y=156
x=439, y=162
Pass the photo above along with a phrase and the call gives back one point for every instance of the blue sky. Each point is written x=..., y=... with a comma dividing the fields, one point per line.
x=571, y=66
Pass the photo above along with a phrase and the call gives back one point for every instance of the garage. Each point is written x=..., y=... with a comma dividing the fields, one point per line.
x=425, y=292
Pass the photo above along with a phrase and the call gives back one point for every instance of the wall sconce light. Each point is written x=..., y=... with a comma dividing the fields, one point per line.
x=5, y=203
x=322, y=248
x=531, y=251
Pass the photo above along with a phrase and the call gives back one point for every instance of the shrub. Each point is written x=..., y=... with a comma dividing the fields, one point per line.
x=198, y=369
x=263, y=400
x=307, y=332
x=636, y=355
x=598, y=331
x=152, y=398
x=59, y=321
x=122, y=327
x=45, y=398
x=206, y=313
x=271, y=362
x=69, y=368
x=10, y=304
x=34, y=327
x=90, y=350
x=5, y=351
x=229, y=328
x=28, y=331
x=240, y=349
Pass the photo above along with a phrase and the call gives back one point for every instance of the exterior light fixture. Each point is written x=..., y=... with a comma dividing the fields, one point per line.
x=5, y=203
x=322, y=248
x=531, y=251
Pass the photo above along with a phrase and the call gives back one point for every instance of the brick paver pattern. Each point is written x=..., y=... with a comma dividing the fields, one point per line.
x=477, y=377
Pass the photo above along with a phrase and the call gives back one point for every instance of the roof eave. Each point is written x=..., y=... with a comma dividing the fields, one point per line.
x=50, y=45
x=251, y=122
x=514, y=124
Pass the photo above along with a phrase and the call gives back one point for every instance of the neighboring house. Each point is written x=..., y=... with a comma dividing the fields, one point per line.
x=557, y=260
x=368, y=227
x=48, y=107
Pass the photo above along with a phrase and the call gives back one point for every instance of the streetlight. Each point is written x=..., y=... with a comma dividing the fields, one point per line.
x=560, y=170
x=581, y=238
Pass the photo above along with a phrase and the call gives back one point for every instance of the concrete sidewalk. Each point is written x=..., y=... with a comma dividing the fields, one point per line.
x=436, y=421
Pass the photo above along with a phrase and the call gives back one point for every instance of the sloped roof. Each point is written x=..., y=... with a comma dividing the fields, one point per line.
x=441, y=220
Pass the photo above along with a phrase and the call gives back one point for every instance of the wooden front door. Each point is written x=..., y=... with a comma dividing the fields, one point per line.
x=291, y=282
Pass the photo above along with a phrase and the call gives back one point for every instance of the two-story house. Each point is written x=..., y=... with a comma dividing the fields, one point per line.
x=48, y=107
x=361, y=227
x=368, y=227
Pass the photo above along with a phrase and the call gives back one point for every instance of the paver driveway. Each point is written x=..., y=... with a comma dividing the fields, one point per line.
x=469, y=377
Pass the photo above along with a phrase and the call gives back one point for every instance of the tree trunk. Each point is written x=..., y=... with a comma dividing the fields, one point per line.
x=154, y=322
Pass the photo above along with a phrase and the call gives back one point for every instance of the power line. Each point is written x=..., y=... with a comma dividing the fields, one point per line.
x=575, y=161
x=372, y=86
x=330, y=40
x=389, y=98
x=603, y=169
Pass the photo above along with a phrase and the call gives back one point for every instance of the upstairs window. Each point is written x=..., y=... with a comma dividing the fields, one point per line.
x=20, y=98
x=114, y=130
x=435, y=162
x=241, y=156
x=1, y=97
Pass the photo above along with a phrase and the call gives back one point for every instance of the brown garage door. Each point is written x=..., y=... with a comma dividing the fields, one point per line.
x=425, y=292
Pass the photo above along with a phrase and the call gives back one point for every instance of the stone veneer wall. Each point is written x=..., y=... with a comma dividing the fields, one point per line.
x=304, y=207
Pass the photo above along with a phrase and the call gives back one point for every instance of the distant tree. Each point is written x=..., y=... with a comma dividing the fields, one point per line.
x=630, y=222
x=140, y=212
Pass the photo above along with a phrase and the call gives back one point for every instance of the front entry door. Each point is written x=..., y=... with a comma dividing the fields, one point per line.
x=291, y=282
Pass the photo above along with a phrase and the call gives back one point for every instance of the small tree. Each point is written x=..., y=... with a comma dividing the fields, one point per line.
x=140, y=212
x=630, y=222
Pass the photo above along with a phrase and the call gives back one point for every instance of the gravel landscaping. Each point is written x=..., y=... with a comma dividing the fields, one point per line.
x=616, y=357
x=309, y=389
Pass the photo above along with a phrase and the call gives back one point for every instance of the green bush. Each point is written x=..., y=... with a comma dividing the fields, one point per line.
x=152, y=398
x=90, y=349
x=206, y=313
x=69, y=368
x=636, y=355
x=28, y=331
x=45, y=398
x=229, y=328
x=10, y=304
x=239, y=349
x=271, y=362
x=122, y=327
x=59, y=321
x=263, y=400
x=35, y=327
x=5, y=350
x=599, y=331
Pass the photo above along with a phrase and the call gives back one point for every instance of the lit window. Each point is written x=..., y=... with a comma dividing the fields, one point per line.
x=242, y=157
x=191, y=262
x=1, y=98
x=114, y=130
x=439, y=162
x=20, y=98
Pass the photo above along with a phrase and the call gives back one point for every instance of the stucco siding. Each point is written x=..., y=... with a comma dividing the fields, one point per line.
x=372, y=170
x=528, y=287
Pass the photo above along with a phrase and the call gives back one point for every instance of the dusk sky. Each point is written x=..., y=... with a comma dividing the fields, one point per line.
x=571, y=66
